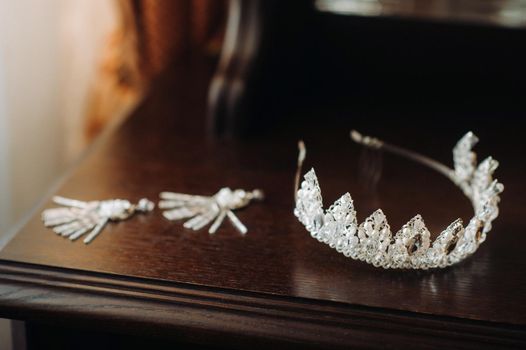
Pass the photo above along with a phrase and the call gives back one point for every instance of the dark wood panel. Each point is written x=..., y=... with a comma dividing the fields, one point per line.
x=205, y=315
x=290, y=57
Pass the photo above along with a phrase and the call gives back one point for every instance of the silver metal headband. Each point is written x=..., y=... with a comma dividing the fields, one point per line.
x=410, y=248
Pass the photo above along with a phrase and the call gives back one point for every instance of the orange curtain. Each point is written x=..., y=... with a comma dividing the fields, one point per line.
x=150, y=35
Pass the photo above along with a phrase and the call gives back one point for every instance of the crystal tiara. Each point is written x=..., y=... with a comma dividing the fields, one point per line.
x=410, y=248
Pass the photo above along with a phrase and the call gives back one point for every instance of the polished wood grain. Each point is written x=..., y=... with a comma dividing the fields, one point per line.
x=275, y=285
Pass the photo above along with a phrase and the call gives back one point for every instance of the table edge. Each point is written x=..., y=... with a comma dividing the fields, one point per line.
x=180, y=310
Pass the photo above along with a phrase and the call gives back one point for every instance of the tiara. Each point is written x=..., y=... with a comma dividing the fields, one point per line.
x=372, y=241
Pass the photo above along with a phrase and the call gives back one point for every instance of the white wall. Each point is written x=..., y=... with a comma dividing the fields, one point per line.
x=49, y=54
x=29, y=31
x=5, y=336
x=4, y=142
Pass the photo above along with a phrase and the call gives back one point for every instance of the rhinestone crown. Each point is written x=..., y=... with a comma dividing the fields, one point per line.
x=372, y=241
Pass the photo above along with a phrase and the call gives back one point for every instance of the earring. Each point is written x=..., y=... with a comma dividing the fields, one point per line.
x=76, y=218
x=202, y=210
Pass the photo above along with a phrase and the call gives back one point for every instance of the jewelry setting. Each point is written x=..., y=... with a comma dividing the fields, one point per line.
x=371, y=241
x=76, y=218
x=202, y=210
x=410, y=248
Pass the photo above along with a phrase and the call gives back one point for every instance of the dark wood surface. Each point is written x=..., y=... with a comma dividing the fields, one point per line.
x=152, y=277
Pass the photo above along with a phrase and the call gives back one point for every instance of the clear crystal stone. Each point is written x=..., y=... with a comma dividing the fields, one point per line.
x=397, y=253
x=465, y=160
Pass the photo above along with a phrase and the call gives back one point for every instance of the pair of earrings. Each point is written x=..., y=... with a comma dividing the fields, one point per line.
x=75, y=219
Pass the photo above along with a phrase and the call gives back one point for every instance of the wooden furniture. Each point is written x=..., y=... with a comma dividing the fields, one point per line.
x=150, y=282
x=285, y=61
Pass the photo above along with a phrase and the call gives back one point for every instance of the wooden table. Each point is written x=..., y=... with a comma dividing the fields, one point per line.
x=150, y=281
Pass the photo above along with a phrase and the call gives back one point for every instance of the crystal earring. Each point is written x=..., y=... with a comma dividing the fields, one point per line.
x=76, y=218
x=202, y=210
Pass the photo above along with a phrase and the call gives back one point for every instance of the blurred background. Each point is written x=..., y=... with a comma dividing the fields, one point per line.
x=50, y=52
x=70, y=68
